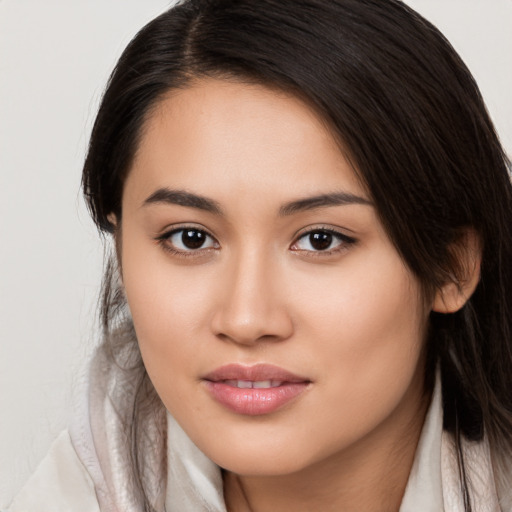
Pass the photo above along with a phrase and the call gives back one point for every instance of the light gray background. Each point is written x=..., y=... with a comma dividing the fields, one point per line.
x=55, y=57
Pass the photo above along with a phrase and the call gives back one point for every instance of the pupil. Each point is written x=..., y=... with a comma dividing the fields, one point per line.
x=320, y=241
x=192, y=239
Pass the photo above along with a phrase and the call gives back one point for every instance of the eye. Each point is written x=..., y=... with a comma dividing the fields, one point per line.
x=322, y=240
x=187, y=240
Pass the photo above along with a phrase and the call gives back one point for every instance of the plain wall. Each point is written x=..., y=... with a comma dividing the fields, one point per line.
x=55, y=57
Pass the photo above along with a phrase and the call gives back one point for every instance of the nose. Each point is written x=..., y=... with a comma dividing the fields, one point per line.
x=252, y=305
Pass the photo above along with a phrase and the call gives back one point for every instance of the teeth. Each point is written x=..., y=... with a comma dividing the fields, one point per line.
x=258, y=384
x=263, y=384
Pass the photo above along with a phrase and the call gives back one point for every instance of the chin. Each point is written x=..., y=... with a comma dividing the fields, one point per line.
x=244, y=465
x=270, y=457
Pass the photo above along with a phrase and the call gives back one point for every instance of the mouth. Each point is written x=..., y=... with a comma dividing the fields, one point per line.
x=254, y=390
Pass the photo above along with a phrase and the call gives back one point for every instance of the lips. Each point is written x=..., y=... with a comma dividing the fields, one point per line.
x=254, y=390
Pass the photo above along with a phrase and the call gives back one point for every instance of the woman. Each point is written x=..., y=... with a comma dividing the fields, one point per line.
x=309, y=290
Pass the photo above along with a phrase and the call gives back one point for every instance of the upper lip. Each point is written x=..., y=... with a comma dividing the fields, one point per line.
x=255, y=373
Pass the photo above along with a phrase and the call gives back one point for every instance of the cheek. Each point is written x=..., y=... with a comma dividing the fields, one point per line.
x=365, y=329
x=369, y=323
x=169, y=306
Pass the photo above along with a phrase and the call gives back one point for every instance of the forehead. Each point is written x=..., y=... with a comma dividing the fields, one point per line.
x=220, y=135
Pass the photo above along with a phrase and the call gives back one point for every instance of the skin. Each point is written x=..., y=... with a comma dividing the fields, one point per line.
x=351, y=319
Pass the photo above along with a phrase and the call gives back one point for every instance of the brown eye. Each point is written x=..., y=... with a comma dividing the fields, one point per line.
x=322, y=240
x=189, y=239
x=193, y=239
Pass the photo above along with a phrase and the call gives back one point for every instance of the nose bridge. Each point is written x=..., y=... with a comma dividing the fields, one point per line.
x=251, y=307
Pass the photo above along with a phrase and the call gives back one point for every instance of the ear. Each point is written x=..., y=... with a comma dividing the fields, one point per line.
x=455, y=293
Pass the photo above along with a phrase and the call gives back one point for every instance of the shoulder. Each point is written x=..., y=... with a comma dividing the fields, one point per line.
x=60, y=484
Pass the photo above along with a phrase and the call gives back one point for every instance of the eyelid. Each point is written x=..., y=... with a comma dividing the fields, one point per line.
x=169, y=228
x=336, y=230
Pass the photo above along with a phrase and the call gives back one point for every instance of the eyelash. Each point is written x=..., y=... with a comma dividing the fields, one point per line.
x=345, y=242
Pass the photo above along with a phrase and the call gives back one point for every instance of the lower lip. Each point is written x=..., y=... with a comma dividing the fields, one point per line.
x=255, y=401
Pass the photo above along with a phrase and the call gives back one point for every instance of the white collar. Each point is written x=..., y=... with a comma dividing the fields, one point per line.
x=424, y=491
x=194, y=482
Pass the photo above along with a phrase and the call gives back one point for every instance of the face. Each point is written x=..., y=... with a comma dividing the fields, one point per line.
x=271, y=308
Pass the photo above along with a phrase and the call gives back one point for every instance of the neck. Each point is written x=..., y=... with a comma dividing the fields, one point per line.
x=370, y=476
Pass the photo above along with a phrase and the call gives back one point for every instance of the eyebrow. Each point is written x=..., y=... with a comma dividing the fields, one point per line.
x=183, y=198
x=322, y=201
x=190, y=200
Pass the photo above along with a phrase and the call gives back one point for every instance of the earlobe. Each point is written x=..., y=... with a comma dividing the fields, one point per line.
x=452, y=295
x=450, y=298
